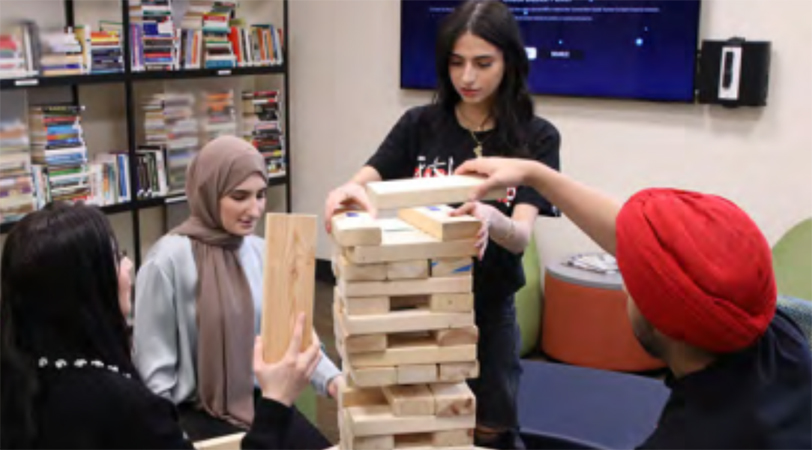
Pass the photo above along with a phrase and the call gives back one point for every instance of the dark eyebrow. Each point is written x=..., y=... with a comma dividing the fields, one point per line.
x=476, y=58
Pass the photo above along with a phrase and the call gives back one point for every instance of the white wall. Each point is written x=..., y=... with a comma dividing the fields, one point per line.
x=345, y=98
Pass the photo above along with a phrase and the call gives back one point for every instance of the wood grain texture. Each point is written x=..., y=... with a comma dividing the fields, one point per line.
x=289, y=278
x=438, y=222
x=426, y=191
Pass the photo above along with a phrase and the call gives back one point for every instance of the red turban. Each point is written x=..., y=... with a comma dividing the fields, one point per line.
x=697, y=267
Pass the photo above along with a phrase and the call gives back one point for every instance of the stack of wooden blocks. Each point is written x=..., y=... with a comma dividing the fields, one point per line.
x=404, y=319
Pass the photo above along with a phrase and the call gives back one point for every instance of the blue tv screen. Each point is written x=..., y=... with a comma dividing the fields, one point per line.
x=634, y=49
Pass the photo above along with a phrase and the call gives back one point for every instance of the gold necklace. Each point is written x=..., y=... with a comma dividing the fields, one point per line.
x=478, y=148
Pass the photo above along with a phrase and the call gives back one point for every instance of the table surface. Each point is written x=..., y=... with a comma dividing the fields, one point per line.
x=602, y=408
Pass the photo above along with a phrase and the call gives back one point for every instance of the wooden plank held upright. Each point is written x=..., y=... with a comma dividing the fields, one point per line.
x=288, y=281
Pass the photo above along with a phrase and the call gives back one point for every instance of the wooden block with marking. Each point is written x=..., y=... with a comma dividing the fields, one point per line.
x=348, y=271
x=417, y=373
x=453, y=399
x=426, y=191
x=458, y=371
x=437, y=222
x=356, y=228
x=379, y=420
x=457, y=336
x=451, y=267
x=407, y=270
x=403, y=242
x=288, y=281
x=452, y=302
x=413, y=400
x=453, y=438
x=446, y=285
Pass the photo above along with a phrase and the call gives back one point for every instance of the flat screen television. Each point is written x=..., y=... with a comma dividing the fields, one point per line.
x=633, y=49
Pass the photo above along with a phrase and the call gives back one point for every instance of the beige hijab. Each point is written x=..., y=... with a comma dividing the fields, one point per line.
x=225, y=309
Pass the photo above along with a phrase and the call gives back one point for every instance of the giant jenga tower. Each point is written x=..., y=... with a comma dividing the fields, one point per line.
x=404, y=318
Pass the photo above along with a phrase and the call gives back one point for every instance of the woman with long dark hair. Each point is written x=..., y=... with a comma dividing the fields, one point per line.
x=67, y=377
x=482, y=108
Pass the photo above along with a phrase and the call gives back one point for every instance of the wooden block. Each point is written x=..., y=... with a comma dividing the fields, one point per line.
x=437, y=222
x=452, y=438
x=446, y=285
x=356, y=396
x=379, y=420
x=359, y=272
x=453, y=399
x=407, y=270
x=365, y=343
x=386, y=442
x=405, y=321
x=228, y=442
x=356, y=228
x=460, y=371
x=374, y=376
x=413, y=400
x=288, y=281
x=452, y=302
x=427, y=353
x=457, y=336
x=426, y=191
x=451, y=267
x=359, y=306
x=402, y=242
x=417, y=373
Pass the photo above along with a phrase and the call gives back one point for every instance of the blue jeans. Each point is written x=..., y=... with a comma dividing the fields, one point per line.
x=497, y=387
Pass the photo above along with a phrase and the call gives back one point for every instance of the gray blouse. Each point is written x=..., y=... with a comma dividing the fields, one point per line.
x=165, y=326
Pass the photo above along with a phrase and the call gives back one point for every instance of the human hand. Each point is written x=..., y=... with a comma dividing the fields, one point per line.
x=487, y=215
x=499, y=172
x=284, y=380
x=349, y=196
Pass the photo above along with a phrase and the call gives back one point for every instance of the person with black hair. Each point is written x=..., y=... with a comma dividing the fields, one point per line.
x=68, y=380
x=482, y=108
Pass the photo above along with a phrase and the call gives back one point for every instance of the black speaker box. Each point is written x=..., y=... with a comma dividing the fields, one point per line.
x=734, y=72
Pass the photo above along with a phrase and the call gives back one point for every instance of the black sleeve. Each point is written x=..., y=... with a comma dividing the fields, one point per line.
x=140, y=419
x=544, y=147
x=270, y=427
x=394, y=160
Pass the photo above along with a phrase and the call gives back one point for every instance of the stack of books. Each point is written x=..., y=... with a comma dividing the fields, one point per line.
x=16, y=188
x=262, y=127
x=59, y=153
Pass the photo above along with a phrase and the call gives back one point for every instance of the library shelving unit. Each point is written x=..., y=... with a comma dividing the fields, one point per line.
x=129, y=79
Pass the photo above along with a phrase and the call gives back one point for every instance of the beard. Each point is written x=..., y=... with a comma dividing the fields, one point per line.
x=647, y=337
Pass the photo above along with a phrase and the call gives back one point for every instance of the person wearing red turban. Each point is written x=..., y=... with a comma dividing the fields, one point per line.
x=702, y=297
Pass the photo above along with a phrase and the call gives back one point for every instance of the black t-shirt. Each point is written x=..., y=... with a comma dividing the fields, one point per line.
x=760, y=397
x=428, y=141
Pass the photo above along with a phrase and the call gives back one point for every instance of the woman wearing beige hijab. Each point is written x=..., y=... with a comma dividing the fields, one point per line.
x=199, y=296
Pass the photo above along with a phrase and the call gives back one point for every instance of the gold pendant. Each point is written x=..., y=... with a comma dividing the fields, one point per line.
x=478, y=151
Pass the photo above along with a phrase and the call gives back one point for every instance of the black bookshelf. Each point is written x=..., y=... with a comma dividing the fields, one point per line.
x=129, y=79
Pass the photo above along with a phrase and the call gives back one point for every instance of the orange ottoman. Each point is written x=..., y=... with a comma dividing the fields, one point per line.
x=585, y=321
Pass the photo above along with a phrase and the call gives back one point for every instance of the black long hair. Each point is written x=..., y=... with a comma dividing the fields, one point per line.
x=58, y=299
x=512, y=108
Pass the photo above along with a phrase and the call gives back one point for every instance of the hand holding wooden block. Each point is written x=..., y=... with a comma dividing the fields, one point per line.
x=288, y=281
